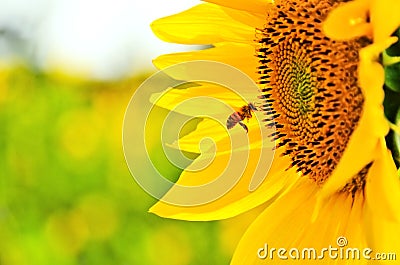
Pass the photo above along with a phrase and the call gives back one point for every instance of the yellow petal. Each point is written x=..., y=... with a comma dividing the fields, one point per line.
x=194, y=141
x=204, y=99
x=237, y=55
x=253, y=6
x=253, y=20
x=211, y=129
x=371, y=72
x=352, y=229
x=383, y=186
x=194, y=27
x=348, y=21
x=382, y=236
x=237, y=200
x=384, y=18
x=286, y=223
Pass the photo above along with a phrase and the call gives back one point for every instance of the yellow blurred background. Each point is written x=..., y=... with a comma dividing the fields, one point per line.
x=66, y=194
x=67, y=72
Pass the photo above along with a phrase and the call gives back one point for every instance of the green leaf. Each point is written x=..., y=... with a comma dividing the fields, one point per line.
x=392, y=76
x=392, y=143
x=391, y=105
x=393, y=138
x=396, y=138
x=394, y=50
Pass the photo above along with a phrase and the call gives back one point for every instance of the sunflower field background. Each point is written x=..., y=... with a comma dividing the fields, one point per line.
x=66, y=194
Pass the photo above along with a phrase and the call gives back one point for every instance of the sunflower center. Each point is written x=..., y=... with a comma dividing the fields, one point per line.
x=303, y=91
x=298, y=85
x=310, y=85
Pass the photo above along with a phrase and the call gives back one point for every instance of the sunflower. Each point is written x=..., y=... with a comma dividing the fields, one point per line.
x=332, y=176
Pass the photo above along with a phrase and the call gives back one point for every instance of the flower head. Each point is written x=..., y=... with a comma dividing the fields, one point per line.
x=332, y=174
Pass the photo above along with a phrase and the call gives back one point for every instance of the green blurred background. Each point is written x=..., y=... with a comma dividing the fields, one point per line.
x=66, y=194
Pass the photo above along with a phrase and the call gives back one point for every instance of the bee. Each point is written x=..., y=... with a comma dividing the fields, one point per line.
x=245, y=112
